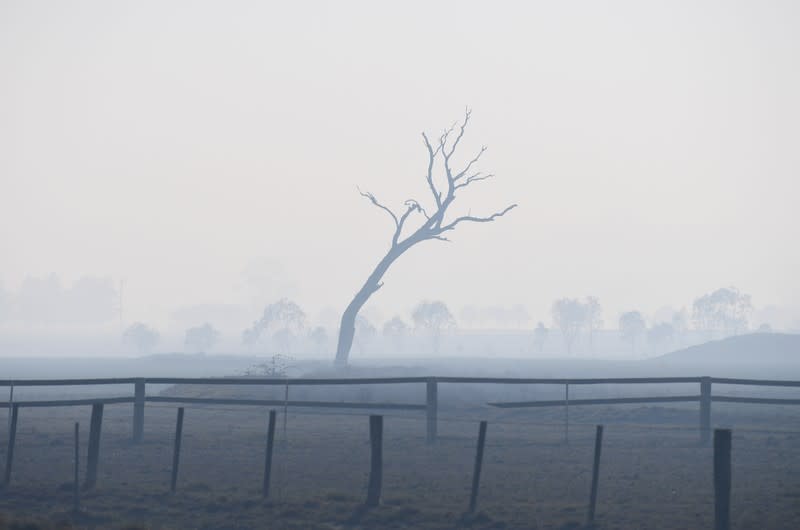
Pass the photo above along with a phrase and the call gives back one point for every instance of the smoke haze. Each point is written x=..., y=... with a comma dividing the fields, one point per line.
x=209, y=154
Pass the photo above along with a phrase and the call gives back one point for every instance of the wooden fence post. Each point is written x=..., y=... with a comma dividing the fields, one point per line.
x=722, y=479
x=94, y=445
x=566, y=413
x=476, y=474
x=598, y=446
x=138, y=410
x=12, y=438
x=376, y=460
x=285, y=439
x=705, y=410
x=176, y=453
x=76, y=493
x=10, y=403
x=268, y=457
x=431, y=408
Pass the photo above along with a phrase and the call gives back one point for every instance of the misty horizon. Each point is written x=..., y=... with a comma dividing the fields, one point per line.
x=649, y=170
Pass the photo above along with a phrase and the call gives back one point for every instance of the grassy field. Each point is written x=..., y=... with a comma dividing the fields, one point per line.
x=654, y=474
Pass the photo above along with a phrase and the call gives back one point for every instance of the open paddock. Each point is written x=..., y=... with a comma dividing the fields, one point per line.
x=654, y=473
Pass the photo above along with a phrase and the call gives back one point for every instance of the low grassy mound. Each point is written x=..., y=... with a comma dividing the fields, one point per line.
x=776, y=348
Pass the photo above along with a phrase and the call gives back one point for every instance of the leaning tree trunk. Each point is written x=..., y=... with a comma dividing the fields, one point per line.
x=347, y=328
x=434, y=227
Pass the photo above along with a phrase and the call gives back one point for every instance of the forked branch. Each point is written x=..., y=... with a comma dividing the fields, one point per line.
x=473, y=219
x=435, y=224
x=374, y=201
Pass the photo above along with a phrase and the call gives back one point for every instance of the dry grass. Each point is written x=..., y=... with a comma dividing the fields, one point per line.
x=652, y=476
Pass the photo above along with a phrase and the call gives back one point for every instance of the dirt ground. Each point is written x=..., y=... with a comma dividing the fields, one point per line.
x=653, y=474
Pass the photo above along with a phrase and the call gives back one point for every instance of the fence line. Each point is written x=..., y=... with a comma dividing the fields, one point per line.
x=430, y=405
x=496, y=421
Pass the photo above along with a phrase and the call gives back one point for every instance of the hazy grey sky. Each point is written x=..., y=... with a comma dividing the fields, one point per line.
x=652, y=147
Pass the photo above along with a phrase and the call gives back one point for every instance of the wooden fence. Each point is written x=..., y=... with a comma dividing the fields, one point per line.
x=431, y=384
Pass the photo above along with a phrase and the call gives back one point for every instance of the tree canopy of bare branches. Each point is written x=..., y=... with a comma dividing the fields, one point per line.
x=431, y=217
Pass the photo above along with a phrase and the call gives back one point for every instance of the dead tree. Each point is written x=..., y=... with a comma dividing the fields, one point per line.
x=435, y=225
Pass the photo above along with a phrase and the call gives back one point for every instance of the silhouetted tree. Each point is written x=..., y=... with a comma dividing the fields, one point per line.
x=200, y=338
x=539, y=337
x=141, y=337
x=365, y=332
x=660, y=333
x=569, y=316
x=433, y=318
x=594, y=320
x=319, y=337
x=284, y=317
x=396, y=330
x=680, y=325
x=631, y=327
x=725, y=309
x=435, y=224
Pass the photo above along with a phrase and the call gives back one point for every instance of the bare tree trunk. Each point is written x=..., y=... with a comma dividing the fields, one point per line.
x=347, y=327
x=433, y=228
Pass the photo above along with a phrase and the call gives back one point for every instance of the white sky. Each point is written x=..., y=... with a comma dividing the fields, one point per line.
x=652, y=148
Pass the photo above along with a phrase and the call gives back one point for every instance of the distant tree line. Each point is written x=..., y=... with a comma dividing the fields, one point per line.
x=46, y=300
x=283, y=326
x=725, y=311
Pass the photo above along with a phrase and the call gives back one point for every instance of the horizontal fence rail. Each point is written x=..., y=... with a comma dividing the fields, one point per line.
x=68, y=402
x=68, y=382
x=389, y=380
x=290, y=403
x=596, y=401
x=754, y=382
x=561, y=381
x=430, y=406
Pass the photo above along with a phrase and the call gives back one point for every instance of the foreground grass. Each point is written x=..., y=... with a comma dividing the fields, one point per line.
x=652, y=476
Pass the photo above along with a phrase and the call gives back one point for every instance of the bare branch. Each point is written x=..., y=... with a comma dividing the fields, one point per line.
x=431, y=157
x=443, y=148
x=474, y=178
x=411, y=207
x=446, y=134
x=418, y=206
x=374, y=201
x=474, y=219
x=470, y=164
x=467, y=114
x=450, y=182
